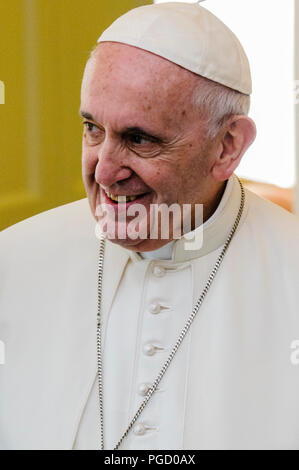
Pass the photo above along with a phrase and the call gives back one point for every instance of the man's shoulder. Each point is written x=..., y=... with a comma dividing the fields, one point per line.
x=266, y=216
x=74, y=218
x=61, y=235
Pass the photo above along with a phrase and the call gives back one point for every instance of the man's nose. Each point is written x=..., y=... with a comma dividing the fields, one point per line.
x=111, y=167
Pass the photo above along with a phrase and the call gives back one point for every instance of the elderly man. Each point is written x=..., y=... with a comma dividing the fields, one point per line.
x=164, y=345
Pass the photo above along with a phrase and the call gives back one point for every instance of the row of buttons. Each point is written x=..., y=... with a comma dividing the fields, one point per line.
x=149, y=349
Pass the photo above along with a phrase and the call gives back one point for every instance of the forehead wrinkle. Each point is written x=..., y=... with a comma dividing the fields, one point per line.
x=146, y=84
x=146, y=68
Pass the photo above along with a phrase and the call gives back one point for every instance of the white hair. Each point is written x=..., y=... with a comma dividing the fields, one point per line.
x=217, y=103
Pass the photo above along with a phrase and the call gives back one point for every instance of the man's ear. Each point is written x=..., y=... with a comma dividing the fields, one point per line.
x=239, y=133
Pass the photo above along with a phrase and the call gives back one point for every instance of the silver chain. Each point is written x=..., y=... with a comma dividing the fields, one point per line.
x=182, y=335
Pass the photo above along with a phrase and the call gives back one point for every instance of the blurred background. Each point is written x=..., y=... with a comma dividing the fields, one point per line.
x=44, y=45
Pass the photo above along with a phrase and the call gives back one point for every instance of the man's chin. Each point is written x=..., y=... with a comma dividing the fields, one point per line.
x=138, y=245
x=127, y=241
x=133, y=245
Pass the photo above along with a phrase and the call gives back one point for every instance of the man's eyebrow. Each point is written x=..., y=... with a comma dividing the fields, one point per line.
x=127, y=130
x=86, y=115
x=140, y=130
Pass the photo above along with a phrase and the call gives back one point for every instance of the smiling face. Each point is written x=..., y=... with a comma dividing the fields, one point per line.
x=142, y=136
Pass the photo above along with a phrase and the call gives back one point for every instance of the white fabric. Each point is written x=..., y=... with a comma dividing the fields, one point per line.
x=232, y=386
x=188, y=35
x=126, y=369
x=162, y=253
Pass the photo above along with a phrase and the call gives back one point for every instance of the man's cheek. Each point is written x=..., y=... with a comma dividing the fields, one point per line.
x=89, y=163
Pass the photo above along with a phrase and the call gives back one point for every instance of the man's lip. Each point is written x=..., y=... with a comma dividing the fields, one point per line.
x=126, y=194
x=139, y=199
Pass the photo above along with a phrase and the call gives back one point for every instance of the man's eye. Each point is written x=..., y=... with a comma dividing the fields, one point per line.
x=90, y=127
x=138, y=139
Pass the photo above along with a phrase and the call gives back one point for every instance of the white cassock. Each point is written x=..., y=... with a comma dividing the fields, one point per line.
x=234, y=383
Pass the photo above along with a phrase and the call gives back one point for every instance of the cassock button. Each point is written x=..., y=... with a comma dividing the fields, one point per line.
x=155, y=308
x=149, y=349
x=143, y=389
x=139, y=430
x=159, y=271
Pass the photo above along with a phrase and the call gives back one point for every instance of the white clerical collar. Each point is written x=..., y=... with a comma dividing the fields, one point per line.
x=166, y=251
x=162, y=253
x=215, y=230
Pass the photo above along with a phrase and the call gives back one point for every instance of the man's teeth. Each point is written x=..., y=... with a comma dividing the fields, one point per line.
x=121, y=198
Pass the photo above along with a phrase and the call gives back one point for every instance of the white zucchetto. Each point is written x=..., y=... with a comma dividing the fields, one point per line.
x=187, y=35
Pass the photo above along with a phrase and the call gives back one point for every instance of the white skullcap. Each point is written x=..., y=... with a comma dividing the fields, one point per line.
x=188, y=35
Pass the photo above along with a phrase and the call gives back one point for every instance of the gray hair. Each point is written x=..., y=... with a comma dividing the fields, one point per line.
x=217, y=103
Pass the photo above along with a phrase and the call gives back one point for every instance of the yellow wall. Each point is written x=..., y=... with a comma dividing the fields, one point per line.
x=44, y=45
